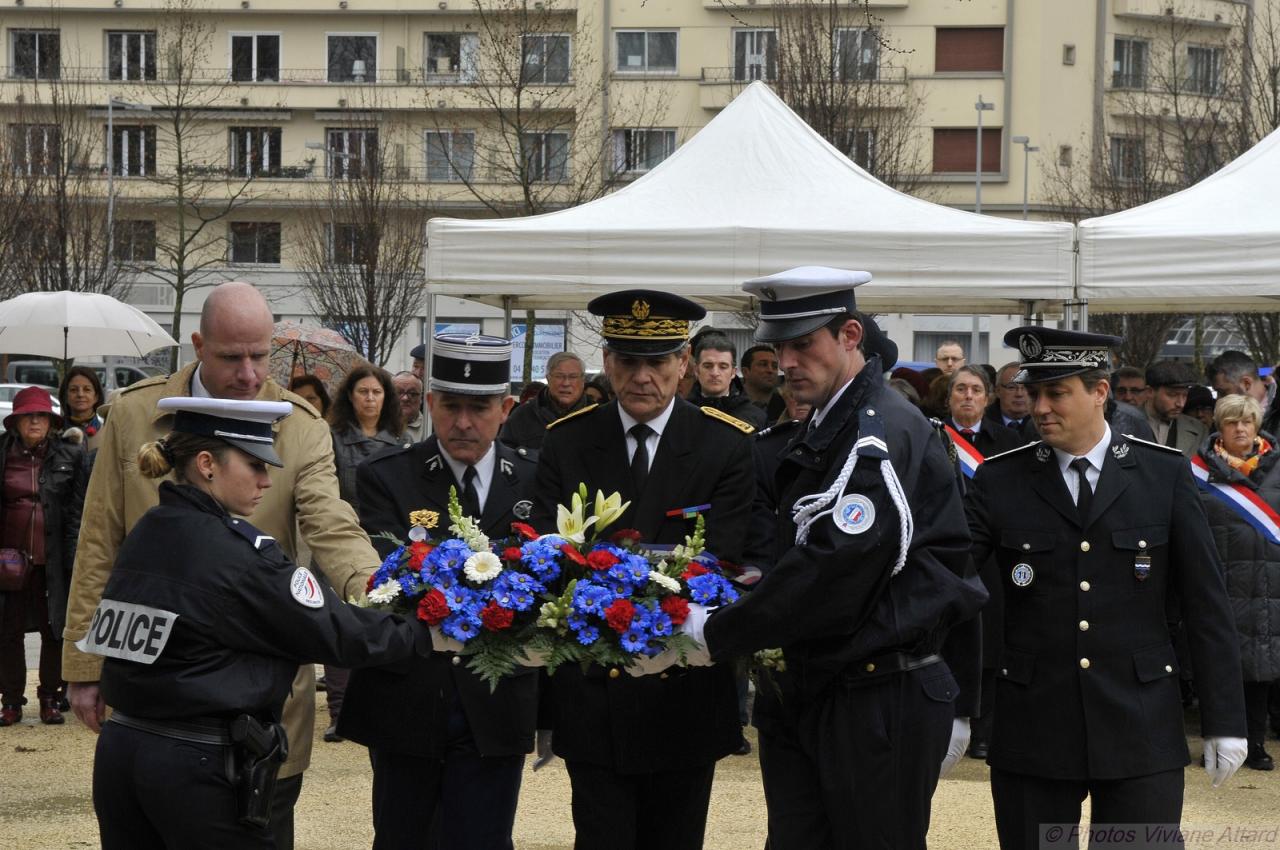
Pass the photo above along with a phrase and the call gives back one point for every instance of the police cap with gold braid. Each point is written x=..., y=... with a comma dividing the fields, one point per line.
x=645, y=322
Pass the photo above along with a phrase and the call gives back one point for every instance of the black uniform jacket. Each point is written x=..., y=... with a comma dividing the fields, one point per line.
x=1087, y=685
x=241, y=630
x=832, y=602
x=406, y=712
x=687, y=716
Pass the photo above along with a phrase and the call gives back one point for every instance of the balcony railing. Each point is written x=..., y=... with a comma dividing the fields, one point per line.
x=890, y=74
x=414, y=76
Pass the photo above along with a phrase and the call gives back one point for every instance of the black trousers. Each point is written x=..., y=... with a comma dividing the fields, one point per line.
x=1256, y=695
x=155, y=793
x=980, y=726
x=858, y=767
x=1033, y=813
x=617, y=811
x=468, y=800
x=283, y=799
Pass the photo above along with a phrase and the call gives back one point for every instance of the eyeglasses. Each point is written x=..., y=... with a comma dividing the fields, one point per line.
x=948, y=359
x=409, y=394
x=566, y=376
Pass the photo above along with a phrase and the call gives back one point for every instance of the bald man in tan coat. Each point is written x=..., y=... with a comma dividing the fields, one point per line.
x=232, y=346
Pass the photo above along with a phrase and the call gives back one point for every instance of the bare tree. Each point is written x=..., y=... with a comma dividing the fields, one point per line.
x=360, y=242
x=1144, y=334
x=193, y=177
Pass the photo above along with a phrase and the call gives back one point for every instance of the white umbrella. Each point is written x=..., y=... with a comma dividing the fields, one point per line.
x=77, y=324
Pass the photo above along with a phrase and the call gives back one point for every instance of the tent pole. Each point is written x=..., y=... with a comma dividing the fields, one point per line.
x=506, y=316
x=1084, y=314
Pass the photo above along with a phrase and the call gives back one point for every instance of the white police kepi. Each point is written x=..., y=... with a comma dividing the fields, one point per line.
x=247, y=425
x=801, y=300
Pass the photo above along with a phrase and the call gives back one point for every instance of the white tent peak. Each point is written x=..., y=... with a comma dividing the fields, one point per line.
x=754, y=192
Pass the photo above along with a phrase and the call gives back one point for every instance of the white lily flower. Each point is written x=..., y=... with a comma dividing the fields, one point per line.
x=609, y=509
x=570, y=523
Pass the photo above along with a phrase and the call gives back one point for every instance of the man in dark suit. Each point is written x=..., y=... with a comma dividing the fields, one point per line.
x=439, y=740
x=1091, y=531
x=641, y=751
x=1011, y=407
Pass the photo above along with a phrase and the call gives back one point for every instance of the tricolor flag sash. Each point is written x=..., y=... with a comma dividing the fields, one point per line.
x=1240, y=499
x=970, y=458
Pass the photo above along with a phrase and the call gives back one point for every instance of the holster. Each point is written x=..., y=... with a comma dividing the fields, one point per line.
x=258, y=750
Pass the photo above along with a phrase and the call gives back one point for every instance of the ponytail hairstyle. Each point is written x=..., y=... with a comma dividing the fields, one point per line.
x=175, y=452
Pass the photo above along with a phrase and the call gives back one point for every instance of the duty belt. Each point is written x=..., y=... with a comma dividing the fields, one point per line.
x=205, y=730
x=886, y=664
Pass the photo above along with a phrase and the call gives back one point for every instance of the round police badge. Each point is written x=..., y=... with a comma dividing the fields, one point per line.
x=1023, y=575
x=854, y=514
x=305, y=589
x=1030, y=346
x=522, y=509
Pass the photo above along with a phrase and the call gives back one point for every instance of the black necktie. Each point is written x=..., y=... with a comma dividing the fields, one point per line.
x=1084, y=495
x=640, y=460
x=470, y=498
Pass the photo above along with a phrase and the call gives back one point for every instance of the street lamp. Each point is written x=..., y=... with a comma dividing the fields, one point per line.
x=112, y=104
x=1027, y=150
x=982, y=106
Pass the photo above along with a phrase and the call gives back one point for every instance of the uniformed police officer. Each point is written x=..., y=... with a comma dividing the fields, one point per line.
x=1091, y=530
x=641, y=752
x=871, y=574
x=203, y=624
x=437, y=735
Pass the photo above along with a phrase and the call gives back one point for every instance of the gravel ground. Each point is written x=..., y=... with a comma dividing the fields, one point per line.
x=45, y=799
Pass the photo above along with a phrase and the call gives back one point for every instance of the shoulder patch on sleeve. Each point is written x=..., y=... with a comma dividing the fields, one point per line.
x=569, y=416
x=305, y=588
x=1141, y=442
x=744, y=427
x=1012, y=452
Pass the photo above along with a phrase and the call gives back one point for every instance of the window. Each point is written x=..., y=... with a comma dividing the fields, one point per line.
x=451, y=54
x=450, y=155
x=860, y=146
x=255, y=242
x=133, y=151
x=546, y=156
x=641, y=51
x=346, y=244
x=352, y=153
x=353, y=58
x=35, y=148
x=131, y=55
x=135, y=241
x=1066, y=155
x=255, y=151
x=857, y=54
x=955, y=150
x=36, y=54
x=255, y=58
x=755, y=55
x=1129, y=64
x=1204, y=67
x=1127, y=160
x=637, y=151
x=545, y=58
x=968, y=50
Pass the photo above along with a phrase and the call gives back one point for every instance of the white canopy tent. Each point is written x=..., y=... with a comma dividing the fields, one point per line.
x=756, y=191
x=1213, y=247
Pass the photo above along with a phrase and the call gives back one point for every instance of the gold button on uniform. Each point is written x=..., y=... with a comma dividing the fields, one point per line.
x=1084, y=585
x=1084, y=664
x=1084, y=545
x=615, y=673
x=870, y=668
x=1084, y=625
x=457, y=659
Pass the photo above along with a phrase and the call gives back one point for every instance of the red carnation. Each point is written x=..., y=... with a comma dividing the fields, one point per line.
x=573, y=555
x=601, y=559
x=619, y=615
x=369, y=586
x=624, y=536
x=496, y=618
x=524, y=530
x=418, y=553
x=694, y=569
x=677, y=608
x=433, y=608
x=511, y=553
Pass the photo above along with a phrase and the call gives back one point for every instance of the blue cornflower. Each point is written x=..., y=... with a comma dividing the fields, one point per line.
x=461, y=627
x=577, y=621
x=521, y=600
x=588, y=635
x=591, y=598
x=660, y=625
x=643, y=617
x=619, y=573
x=458, y=597
x=620, y=589
x=450, y=555
x=408, y=584
x=541, y=558
x=705, y=589
x=638, y=568
x=634, y=639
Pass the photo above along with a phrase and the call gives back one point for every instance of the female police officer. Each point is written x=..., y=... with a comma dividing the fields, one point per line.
x=203, y=624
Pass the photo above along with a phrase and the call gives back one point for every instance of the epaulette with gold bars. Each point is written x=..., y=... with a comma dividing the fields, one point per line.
x=715, y=413
x=569, y=416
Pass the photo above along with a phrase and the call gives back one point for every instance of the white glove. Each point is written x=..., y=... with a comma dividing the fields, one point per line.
x=542, y=749
x=643, y=665
x=1223, y=757
x=693, y=626
x=441, y=642
x=959, y=743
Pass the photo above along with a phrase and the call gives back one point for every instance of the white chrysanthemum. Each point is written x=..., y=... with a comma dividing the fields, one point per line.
x=665, y=580
x=482, y=567
x=385, y=592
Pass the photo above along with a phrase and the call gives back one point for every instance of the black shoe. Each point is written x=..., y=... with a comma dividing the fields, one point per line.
x=979, y=750
x=744, y=747
x=331, y=735
x=1259, y=759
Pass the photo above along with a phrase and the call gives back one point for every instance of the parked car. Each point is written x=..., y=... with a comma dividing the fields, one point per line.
x=8, y=391
x=113, y=376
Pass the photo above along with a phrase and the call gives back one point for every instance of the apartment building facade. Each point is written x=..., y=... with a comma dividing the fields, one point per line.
x=499, y=107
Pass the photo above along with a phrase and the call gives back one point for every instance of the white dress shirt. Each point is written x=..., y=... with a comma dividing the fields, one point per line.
x=657, y=425
x=484, y=473
x=1095, y=456
x=819, y=415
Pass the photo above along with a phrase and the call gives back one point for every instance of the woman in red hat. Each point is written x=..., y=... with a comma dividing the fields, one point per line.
x=42, y=484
